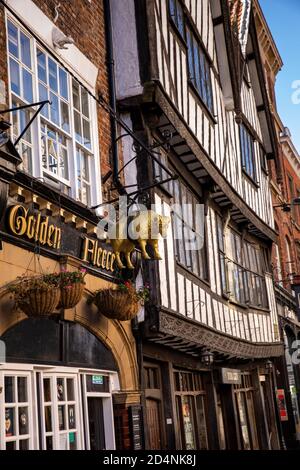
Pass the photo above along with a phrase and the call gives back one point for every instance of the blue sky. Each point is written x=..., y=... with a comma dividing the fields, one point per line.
x=283, y=17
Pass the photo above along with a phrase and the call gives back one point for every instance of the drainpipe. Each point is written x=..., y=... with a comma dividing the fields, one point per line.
x=112, y=93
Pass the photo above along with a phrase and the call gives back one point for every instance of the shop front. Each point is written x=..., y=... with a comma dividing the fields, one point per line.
x=62, y=398
x=192, y=404
x=69, y=376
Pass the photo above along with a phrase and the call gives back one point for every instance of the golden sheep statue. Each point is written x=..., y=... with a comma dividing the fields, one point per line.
x=146, y=228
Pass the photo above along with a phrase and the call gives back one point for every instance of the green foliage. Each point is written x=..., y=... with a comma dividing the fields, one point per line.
x=64, y=280
x=142, y=294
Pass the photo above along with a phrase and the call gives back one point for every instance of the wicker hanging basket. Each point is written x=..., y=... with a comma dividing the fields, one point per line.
x=71, y=295
x=40, y=302
x=116, y=305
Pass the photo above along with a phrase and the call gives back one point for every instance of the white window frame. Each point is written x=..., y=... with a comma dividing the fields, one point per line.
x=93, y=153
x=56, y=432
x=29, y=404
x=108, y=421
x=35, y=405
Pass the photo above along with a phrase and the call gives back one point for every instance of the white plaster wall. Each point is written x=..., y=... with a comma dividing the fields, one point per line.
x=42, y=26
x=125, y=49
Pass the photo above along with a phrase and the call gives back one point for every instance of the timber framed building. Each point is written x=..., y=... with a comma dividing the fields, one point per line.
x=69, y=383
x=192, y=85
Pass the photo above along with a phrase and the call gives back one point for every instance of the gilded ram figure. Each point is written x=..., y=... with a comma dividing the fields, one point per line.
x=141, y=230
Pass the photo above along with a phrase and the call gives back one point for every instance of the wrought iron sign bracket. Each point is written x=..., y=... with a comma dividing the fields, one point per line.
x=137, y=192
x=41, y=104
x=138, y=149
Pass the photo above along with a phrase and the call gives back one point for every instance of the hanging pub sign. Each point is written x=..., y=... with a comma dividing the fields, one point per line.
x=144, y=229
x=51, y=233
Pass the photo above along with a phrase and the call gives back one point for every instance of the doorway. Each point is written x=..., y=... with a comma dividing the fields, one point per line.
x=154, y=423
x=96, y=424
x=244, y=401
x=154, y=407
x=55, y=408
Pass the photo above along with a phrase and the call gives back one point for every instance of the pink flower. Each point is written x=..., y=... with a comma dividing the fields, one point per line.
x=82, y=270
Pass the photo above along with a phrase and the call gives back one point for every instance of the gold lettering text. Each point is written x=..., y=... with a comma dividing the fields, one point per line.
x=17, y=220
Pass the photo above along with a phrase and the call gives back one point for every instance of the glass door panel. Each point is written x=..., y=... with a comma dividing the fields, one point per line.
x=16, y=411
x=96, y=423
x=201, y=423
x=60, y=412
x=186, y=415
x=243, y=421
x=252, y=420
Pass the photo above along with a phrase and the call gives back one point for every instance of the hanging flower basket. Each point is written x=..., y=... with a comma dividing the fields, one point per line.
x=122, y=303
x=37, y=296
x=71, y=287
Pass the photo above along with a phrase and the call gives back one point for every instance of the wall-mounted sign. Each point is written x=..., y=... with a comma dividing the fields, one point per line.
x=93, y=253
x=282, y=405
x=52, y=233
x=33, y=227
x=136, y=426
x=231, y=376
x=97, y=379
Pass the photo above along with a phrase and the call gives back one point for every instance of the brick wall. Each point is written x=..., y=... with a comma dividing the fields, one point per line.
x=287, y=223
x=122, y=432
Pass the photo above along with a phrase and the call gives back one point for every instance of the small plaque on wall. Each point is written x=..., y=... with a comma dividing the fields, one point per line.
x=231, y=376
x=136, y=426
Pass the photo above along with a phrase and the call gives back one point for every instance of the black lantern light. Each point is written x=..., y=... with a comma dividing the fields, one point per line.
x=269, y=366
x=207, y=357
x=287, y=206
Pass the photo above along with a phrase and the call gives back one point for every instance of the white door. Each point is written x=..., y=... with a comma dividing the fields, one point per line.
x=44, y=407
x=16, y=417
x=60, y=418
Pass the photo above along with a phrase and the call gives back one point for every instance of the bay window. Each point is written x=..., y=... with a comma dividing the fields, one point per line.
x=21, y=86
x=199, y=70
x=59, y=146
x=20, y=120
x=247, y=152
x=54, y=152
x=188, y=221
x=83, y=176
x=53, y=86
x=243, y=266
x=177, y=15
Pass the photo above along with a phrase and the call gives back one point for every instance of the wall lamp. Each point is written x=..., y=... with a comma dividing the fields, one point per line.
x=287, y=207
x=269, y=366
x=207, y=357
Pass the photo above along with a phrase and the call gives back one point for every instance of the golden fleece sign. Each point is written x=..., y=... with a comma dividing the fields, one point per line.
x=34, y=227
x=140, y=230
